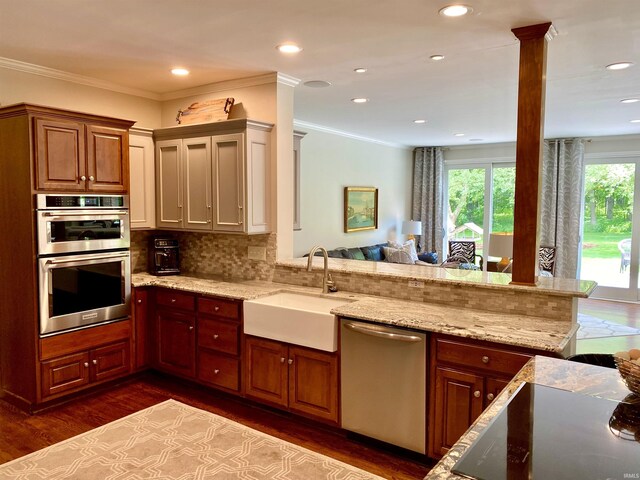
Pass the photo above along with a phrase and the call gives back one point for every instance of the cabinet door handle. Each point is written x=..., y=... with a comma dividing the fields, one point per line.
x=215, y=337
x=216, y=308
x=290, y=361
x=91, y=178
x=485, y=359
x=95, y=362
x=281, y=359
x=86, y=364
x=139, y=301
x=83, y=178
x=173, y=300
x=477, y=394
x=190, y=327
x=216, y=371
x=490, y=397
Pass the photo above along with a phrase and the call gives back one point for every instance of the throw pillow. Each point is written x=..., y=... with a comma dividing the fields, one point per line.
x=397, y=255
x=373, y=253
x=409, y=246
x=356, y=253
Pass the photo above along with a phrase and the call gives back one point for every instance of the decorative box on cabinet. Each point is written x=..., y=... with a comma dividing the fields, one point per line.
x=299, y=379
x=465, y=378
x=142, y=171
x=214, y=177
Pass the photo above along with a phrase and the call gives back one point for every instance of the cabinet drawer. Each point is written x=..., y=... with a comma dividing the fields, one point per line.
x=220, y=308
x=481, y=357
x=218, y=335
x=174, y=298
x=219, y=370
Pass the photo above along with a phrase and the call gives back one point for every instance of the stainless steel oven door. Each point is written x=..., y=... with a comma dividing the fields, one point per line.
x=65, y=231
x=81, y=290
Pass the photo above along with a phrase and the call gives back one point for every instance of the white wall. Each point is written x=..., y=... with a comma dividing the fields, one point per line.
x=331, y=162
x=19, y=87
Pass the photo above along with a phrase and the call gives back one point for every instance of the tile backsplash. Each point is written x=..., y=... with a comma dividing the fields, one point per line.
x=212, y=254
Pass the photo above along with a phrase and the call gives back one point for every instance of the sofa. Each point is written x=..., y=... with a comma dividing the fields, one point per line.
x=373, y=253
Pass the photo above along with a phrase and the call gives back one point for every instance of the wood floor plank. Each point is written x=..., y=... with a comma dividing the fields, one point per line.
x=21, y=434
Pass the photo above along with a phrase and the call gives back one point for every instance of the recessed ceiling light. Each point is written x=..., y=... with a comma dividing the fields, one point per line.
x=475, y=139
x=437, y=57
x=458, y=134
x=630, y=100
x=619, y=65
x=419, y=121
x=636, y=121
x=180, y=71
x=455, y=10
x=289, y=48
x=360, y=100
x=360, y=70
x=317, y=84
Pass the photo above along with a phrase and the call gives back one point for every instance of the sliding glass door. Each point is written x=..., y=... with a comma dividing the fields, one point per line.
x=610, y=230
x=480, y=200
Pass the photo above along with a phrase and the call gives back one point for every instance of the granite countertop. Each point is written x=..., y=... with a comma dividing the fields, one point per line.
x=433, y=273
x=509, y=329
x=569, y=376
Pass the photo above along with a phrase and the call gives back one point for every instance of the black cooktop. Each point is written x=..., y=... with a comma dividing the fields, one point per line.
x=548, y=434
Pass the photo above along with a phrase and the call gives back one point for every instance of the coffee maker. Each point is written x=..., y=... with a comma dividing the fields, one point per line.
x=164, y=256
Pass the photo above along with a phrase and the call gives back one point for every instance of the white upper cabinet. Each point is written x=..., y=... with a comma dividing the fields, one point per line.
x=214, y=177
x=142, y=195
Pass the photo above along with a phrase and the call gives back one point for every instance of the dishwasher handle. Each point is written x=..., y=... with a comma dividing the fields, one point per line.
x=382, y=332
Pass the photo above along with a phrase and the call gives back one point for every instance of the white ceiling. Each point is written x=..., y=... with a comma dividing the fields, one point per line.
x=134, y=43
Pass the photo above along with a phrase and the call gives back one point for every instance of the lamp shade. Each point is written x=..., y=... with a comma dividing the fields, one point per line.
x=501, y=245
x=412, y=227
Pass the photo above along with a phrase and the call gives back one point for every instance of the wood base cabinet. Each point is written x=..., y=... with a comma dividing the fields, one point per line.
x=175, y=333
x=465, y=378
x=300, y=379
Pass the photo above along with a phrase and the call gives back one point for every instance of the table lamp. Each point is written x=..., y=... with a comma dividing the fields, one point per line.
x=410, y=228
x=501, y=245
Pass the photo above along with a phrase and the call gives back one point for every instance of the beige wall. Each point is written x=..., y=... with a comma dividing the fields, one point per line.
x=19, y=87
x=330, y=162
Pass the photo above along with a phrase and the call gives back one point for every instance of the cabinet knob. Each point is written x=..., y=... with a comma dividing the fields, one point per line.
x=216, y=308
x=139, y=301
x=95, y=362
x=215, y=337
x=290, y=361
x=91, y=178
x=86, y=364
x=485, y=359
x=83, y=178
x=477, y=394
x=216, y=371
x=173, y=300
x=190, y=327
x=490, y=397
x=282, y=359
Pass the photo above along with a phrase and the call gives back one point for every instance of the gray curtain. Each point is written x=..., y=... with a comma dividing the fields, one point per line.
x=428, y=197
x=561, y=201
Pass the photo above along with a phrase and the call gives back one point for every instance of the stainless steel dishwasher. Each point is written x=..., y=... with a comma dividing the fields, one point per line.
x=383, y=372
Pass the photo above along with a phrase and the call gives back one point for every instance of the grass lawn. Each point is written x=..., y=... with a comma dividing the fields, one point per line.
x=602, y=245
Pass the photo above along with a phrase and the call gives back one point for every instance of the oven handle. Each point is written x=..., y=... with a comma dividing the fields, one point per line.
x=84, y=214
x=75, y=258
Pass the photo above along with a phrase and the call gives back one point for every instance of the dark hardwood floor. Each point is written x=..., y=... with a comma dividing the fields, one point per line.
x=21, y=433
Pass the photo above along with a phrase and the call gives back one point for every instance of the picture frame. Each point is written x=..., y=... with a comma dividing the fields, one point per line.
x=360, y=209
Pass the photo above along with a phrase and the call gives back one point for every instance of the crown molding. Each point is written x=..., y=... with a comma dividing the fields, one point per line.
x=288, y=80
x=33, y=69
x=333, y=131
x=222, y=86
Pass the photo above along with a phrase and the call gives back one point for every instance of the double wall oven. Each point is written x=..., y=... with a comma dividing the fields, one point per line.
x=83, y=260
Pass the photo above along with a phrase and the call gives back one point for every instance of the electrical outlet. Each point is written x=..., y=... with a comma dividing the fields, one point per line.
x=416, y=284
x=257, y=253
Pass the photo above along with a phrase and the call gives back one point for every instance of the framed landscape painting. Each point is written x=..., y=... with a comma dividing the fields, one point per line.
x=360, y=208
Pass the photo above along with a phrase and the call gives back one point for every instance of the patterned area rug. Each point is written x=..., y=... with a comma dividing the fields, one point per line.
x=172, y=440
x=592, y=327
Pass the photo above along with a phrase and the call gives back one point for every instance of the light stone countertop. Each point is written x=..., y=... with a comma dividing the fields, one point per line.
x=523, y=331
x=562, y=374
x=433, y=273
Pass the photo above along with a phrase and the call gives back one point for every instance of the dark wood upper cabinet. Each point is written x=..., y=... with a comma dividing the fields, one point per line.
x=107, y=159
x=60, y=154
